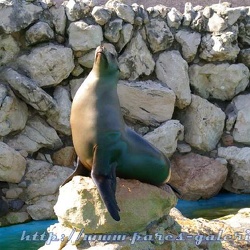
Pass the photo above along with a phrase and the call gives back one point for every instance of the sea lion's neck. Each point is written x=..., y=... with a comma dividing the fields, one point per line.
x=108, y=78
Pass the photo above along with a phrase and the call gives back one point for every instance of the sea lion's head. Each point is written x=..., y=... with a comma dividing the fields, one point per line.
x=106, y=59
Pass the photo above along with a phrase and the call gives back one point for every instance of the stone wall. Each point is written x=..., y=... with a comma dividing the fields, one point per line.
x=184, y=86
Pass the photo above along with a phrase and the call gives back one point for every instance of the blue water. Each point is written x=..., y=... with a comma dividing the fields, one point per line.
x=218, y=206
x=11, y=236
x=14, y=237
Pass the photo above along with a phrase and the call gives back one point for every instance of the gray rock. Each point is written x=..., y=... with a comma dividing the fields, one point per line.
x=64, y=157
x=141, y=15
x=112, y=30
x=203, y=124
x=83, y=36
x=199, y=22
x=43, y=181
x=85, y=209
x=148, y=102
x=77, y=71
x=74, y=85
x=59, y=19
x=231, y=113
x=238, y=176
x=9, y=49
x=13, y=193
x=241, y=131
x=48, y=65
x=24, y=13
x=44, y=157
x=188, y=15
x=76, y=10
x=39, y=32
x=220, y=47
x=169, y=65
x=197, y=176
x=13, y=112
x=15, y=205
x=219, y=81
x=125, y=36
x=61, y=122
x=216, y=23
x=136, y=60
x=28, y=91
x=159, y=11
x=12, y=165
x=87, y=60
x=244, y=31
x=101, y=14
x=166, y=136
x=125, y=12
x=183, y=147
x=13, y=218
x=37, y=134
x=189, y=43
x=244, y=57
x=43, y=208
x=159, y=35
x=208, y=12
x=233, y=14
x=4, y=208
x=174, y=18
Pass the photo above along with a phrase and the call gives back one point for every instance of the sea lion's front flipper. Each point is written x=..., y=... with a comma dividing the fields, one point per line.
x=80, y=170
x=106, y=185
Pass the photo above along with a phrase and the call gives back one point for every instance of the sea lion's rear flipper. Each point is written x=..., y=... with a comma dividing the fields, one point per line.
x=106, y=184
x=80, y=170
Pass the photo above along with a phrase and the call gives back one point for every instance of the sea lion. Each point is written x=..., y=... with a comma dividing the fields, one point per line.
x=105, y=146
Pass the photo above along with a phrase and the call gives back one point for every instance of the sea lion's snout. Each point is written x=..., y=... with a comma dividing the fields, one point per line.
x=100, y=49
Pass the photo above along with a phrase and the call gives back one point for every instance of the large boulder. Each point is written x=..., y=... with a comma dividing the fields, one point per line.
x=136, y=59
x=125, y=36
x=83, y=36
x=61, y=122
x=222, y=47
x=85, y=209
x=12, y=165
x=9, y=49
x=244, y=57
x=48, y=64
x=238, y=180
x=37, y=134
x=148, y=101
x=189, y=41
x=196, y=176
x=101, y=14
x=124, y=11
x=239, y=113
x=30, y=92
x=59, y=19
x=166, y=136
x=17, y=15
x=42, y=209
x=13, y=112
x=159, y=35
x=39, y=32
x=219, y=81
x=42, y=182
x=112, y=30
x=203, y=123
x=169, y=65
